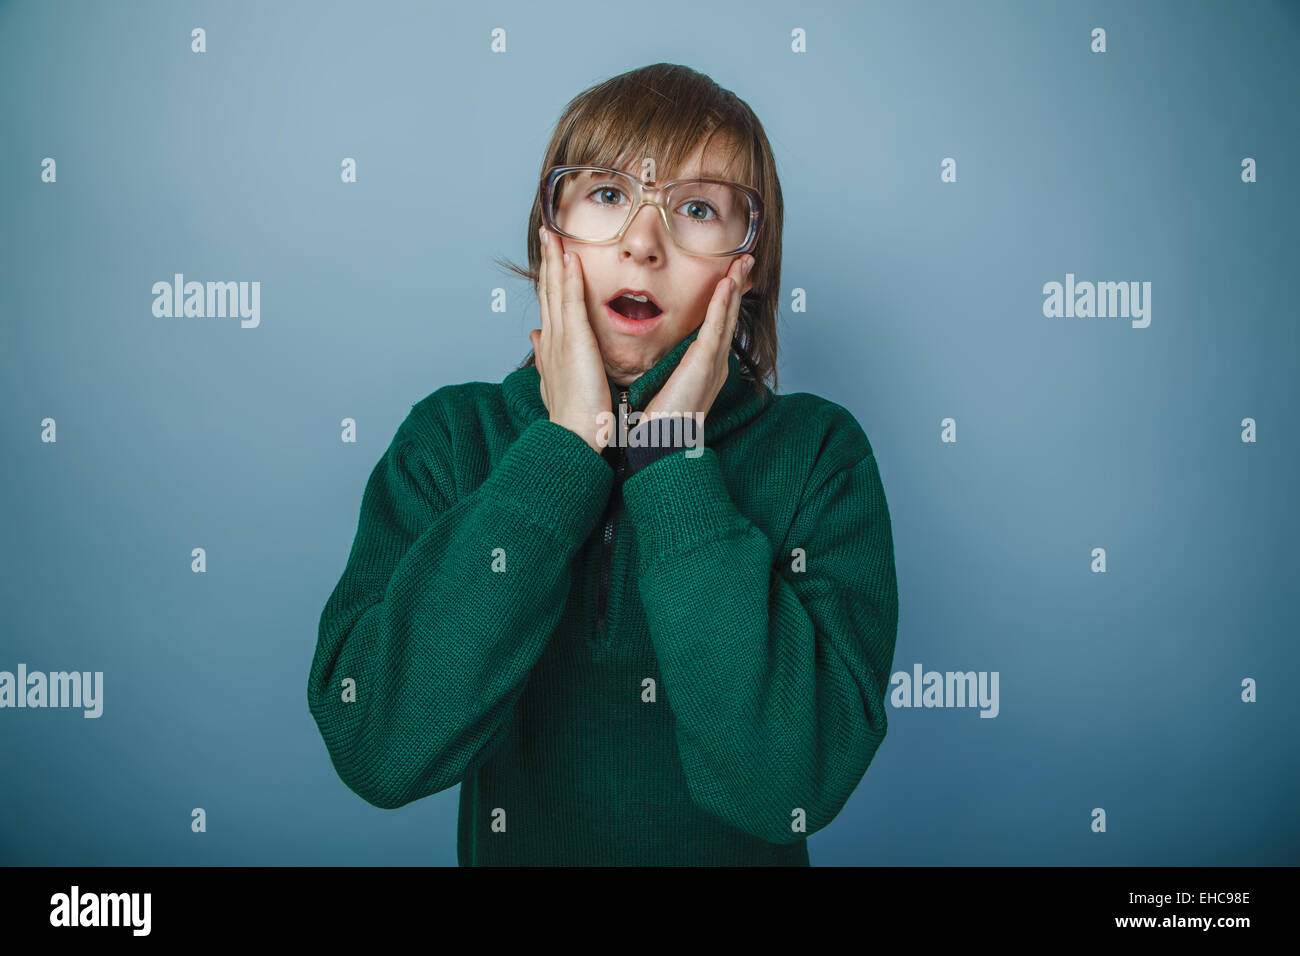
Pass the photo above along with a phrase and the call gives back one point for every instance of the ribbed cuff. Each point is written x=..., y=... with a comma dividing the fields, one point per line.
x=554, y=478
x=679, y=504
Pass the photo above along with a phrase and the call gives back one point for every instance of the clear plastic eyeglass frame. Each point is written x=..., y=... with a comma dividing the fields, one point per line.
x=639, y=200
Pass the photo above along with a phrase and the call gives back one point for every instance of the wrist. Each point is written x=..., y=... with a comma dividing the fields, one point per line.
x=590, y=439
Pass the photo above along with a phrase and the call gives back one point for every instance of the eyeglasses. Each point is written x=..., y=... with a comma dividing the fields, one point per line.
x=709, y=217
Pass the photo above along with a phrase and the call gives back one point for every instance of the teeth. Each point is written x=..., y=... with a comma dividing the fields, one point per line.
x=640, y=298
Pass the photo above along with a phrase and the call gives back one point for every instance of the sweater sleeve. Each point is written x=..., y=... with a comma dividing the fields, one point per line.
x=444, y=606
x=776, y=671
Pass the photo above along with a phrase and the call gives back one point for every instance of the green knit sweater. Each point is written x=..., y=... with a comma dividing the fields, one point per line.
x=681, y=664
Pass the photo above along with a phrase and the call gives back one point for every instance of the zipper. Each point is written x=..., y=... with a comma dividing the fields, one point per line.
x=611, y=510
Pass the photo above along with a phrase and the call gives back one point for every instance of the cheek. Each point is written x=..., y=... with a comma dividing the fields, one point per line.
x=707, y=284
x=583, y=256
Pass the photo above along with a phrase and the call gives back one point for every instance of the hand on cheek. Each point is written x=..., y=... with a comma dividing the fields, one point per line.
x=569, y=364
x=698, y=379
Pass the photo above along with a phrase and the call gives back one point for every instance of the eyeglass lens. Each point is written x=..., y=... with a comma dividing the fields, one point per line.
x=705, y=218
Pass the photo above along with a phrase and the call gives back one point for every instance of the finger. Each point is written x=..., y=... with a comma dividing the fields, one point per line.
x=539, y=358
x=738, y=275
x=535, y=336
x=721, y=317
x=715, y=318
x=555, y=283
x=729, y=326
x=541, y=282
x=575, y=298
x=733, y=313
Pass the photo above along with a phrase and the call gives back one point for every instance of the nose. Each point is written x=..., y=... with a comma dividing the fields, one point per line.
x=644, y=237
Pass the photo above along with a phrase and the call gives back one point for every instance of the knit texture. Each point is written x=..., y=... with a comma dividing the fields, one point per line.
x=731, y=700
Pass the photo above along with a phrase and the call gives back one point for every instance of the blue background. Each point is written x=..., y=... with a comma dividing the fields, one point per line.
x=1118, y=690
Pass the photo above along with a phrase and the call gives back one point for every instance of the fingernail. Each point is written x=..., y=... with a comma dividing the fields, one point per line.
x=749, y=264
x=733, y=284
x=566, y=258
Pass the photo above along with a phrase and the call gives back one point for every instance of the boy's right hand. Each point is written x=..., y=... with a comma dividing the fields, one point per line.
x=569, y=363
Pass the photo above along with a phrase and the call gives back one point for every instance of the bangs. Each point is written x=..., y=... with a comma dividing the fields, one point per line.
x=628, y=119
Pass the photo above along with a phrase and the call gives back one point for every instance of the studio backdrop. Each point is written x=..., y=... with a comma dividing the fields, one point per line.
x=1045, y=253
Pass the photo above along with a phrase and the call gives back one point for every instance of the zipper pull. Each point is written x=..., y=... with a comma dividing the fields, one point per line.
x=623, y=413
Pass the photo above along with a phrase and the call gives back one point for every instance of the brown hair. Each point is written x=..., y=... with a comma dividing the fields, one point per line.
x=665, y=110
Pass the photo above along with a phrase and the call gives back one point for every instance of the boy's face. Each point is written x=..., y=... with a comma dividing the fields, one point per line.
x=647, y=258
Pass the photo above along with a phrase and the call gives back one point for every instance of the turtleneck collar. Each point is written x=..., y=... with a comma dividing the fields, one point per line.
x=736, y=404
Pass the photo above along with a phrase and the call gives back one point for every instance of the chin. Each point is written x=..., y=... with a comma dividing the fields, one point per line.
x=633, y=356
x=624, y=362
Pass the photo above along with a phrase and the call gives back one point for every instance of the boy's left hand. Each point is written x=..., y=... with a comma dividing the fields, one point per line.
x=702, y=372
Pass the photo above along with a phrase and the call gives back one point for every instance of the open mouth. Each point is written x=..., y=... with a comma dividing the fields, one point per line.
x=635, y=305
